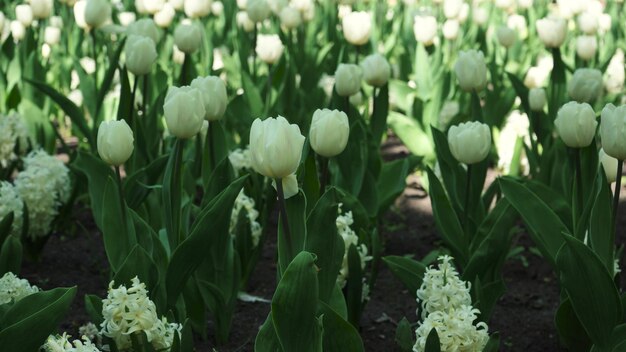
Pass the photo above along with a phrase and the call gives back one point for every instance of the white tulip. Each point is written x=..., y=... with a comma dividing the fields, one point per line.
x=145, y=27
x=480, y=16
x=585, y=85
x=217, y=8
x=126, y=18
x=214, y=96
x=518, y=24
x=140, y=5
x=471, y=71
x=165, y=17
x=258, y=10
x=153, y=6
x=290, y=17
x=197, y=8
x=348, y=79
x=525, y=4
x=609, y=164
x=140, y=54
x=376, y=70
x=613, y=131
x=588, y=23
x=115, y=142
x=18, y=31
x=614, y=76
x=552, y=31
x=269, y=48
x=184, y=111
x=329, y=133
x=52, y=35
x=469, y=142
x=357, y=27
x=576, y=124
x=275, y=147
x=586, y=47
x=178, y=5
x=178, y=56
x=537, y=99
x=425, y=29
x=506, y=36
x=290, y=186
x=41, y=8
x=187, y=38
x=277, y=6
x=452, y=8
x=24, y=14
x=97, y=12
x=244, y=21
x=450, y=29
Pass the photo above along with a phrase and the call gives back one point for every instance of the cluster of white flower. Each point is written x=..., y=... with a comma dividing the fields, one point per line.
x=91, y=332
x=13, y=289
x=10, y=201
x=447, y=306
x=13, y=137
x=243, y=202
x=62, y=343
x=516, y=126
x=240, y=159
x=344, y=222
x=43, y=186
x=129, y=310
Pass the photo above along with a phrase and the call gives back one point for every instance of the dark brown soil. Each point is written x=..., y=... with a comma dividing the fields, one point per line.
x=524, y=315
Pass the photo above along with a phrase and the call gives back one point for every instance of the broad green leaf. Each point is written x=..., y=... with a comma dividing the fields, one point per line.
x=432, y=342
x=266, y=339
x=412, y=135
x=119, y=237
x=407, y=270
x=339, y=335
x=11, y=255
x=97, y=172
x=601, y=234
x=591, y=290
x=378, y=122
x=405, y=335
x=571, y=332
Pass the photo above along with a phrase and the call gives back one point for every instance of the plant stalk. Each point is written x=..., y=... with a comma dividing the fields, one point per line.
x=468, y=184
x=618, y=188
x=324, y=174
x=283, y=216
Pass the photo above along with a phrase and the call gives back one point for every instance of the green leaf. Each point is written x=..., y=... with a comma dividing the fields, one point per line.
x=266, y=339
x=325, y=242
x=378, y=122
x=119, y=237
x=407, y=270
x=392, y=181
x=571, y=332
x=5, y=226
x=348, y=168
x=97, y=172
x=294, y=306
x=93, y=306
x=339, y=335
x=601, y=234
x=544, y=225
x=411, y=134
x=11, y=256
x=212, y=221
x=138, y=263
x=591, y=290
x=432, y=342
x=354, y=286
x=73, y=112
x=173, y=193
x=493, y=345
x=405, y=335
x=253, y=96
x=29, y=322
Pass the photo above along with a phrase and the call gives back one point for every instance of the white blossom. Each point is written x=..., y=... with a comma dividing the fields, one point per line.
x=344, y=222
x=13, y=289
x=243, y=202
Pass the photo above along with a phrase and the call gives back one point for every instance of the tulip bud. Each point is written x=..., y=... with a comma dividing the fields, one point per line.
x=187, y=38
x=506, y=36
x=178, y=5
x=184, y=111
x=275, y=147
x=79, y=13
x=115, y=142
x=585, y=85
x=178, y=56
x=217, y=8
x=269, y=48
x=576, y=124
x=153, y=6
x=140, y=6
x=586, y=47
x=613, y=131
x=277, y=6
x=471, y=71
x=145, y=27
x=258, y=10
x=525, y=4
x=243, y=21
x=357, y=27
x=329, y=132
x=614, y=76
x=452, y=8
x=425, y=29
x=450, y=29
x=97, y=12
x=140, y=54
x=588, y=22
x=214, y=96
x=56, y=21
x=165, y=17
x=552, y=31
x=290, y=17
x=41, y=8
x=197, y=8
x=376, y=70
x=52, y=35
x=126, y=18
x=469, y=142
x=290, y=185
x=537, y=99
x=17, y=30
x=348, y=79
x=480, y=16
x=609, y=164
x=24, y=14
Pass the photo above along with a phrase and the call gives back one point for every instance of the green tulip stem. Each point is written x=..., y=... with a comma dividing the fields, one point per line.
x=208, y=145
x=144, y=105
x=131, y=106
x=358, y=53
x=324, y=174
x=579, y=187
x=95, y=59
x=477, y=110
x=468, y=184
x=618, y=188
x=121, y=194
x=254, y=38
x=183, y=70
x=347, y=102
x=283, y=217
x=268, y=95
